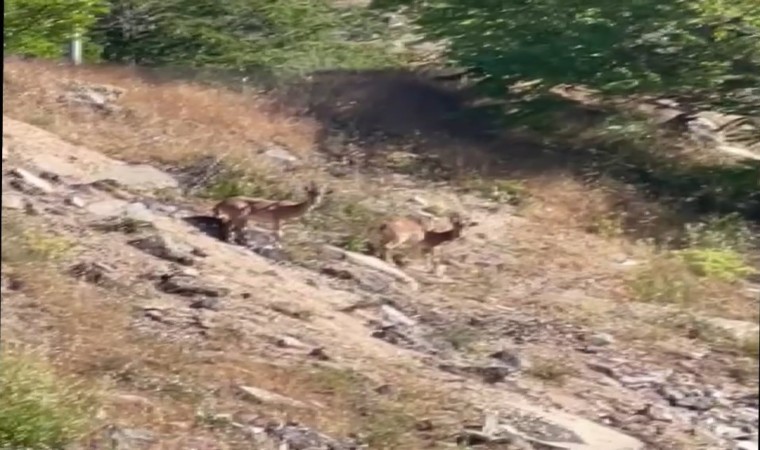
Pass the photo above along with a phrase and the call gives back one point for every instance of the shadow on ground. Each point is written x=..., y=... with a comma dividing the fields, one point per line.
x=374, y=112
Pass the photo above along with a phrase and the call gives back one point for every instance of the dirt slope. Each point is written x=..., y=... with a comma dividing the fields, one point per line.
x=520, y=343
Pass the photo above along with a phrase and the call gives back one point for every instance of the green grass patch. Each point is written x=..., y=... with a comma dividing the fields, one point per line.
x=23, y=243
x=40, y=408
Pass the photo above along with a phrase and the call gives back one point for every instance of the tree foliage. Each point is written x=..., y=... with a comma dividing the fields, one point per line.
x=43, y=27
x=704, y=49
x=293, y=35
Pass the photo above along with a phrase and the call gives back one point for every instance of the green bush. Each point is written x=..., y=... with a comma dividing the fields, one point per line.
x=39, y=409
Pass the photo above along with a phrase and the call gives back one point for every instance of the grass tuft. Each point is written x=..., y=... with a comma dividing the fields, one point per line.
x=39, y=408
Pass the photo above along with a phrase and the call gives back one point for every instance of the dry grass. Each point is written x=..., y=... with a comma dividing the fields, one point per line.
x=170, y=123
x=551, y=369
x=670, y=280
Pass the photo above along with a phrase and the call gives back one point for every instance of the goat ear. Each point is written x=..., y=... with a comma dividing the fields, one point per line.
x=329, y=191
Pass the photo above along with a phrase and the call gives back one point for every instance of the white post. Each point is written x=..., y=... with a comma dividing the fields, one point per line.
x=75, y=49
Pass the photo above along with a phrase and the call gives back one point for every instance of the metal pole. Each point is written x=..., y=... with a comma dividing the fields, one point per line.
x=75, y=49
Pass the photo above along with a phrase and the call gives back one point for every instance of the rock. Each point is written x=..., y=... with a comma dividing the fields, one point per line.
x=139, y=176
x=372, y=263
x=294, y=436
x=11, y=282
x=94, y=272
x=695, y=399
x=26, y=181
x=740, y=329
x=5, y=152
x=290, y=310
x=73, y=200
x=488, y=373
x=123, y=224
x=263, y=396
x=601, y=339
x=107, y=208
x=164, y=247
x=733, y=433
x=138, y=211
x=395, y=317
x=135, y=211
x=100, y=97
x=497, y=429
x=405, y=337
x=340, y=274
x=319, y=354
x=649, y=380
x=509, y=358
x=746, y=445
x=51, y=177
x=131, y=439
x=190, y=287
x=289, y=342
x=211, y=304
x=281, y=156
x=424, y=425
x=605, y=369
x=14, y=201
x=657, y=412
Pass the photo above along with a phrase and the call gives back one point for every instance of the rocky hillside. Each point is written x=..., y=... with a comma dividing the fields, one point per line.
x=537, y=335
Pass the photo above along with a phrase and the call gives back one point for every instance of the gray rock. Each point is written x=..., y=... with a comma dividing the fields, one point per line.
x=14, y=201
x=26, y=181
x=521, y=432
x=138, y=211
x=298, y=437
x=107, y=208
x=131, y=438
x=164, y=247
x=695, y=400
x=601, y=339
x=281, y=156
x=139, y=176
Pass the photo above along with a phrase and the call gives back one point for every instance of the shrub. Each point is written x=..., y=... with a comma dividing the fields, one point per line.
x=718, y=263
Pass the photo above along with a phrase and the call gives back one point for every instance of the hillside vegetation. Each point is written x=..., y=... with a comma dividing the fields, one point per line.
x=606, y=299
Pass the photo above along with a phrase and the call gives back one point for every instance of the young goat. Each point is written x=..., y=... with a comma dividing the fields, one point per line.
x=402, y=230
x=235, y=212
